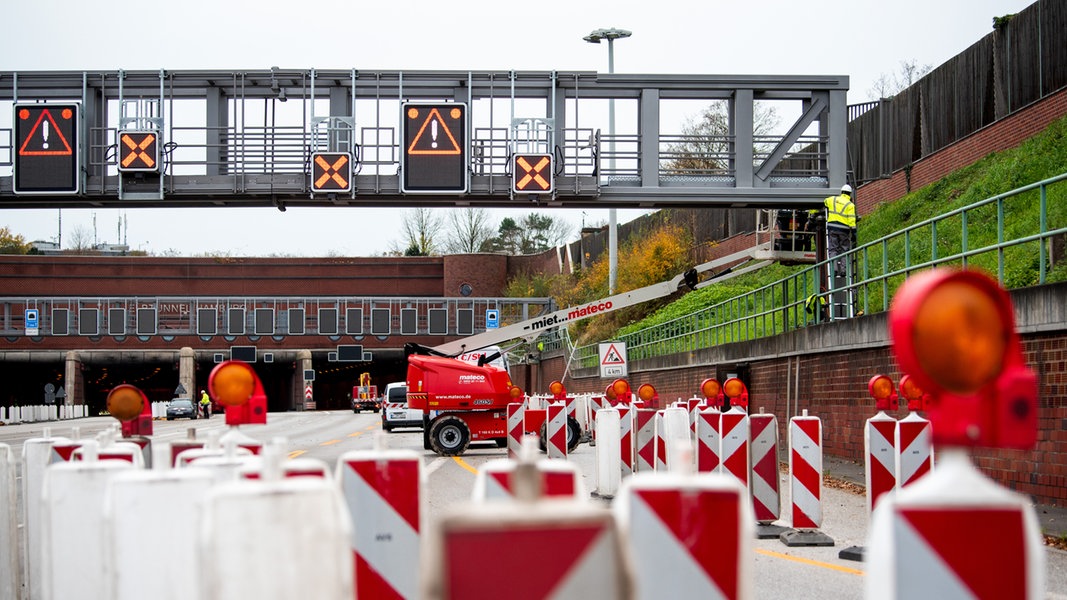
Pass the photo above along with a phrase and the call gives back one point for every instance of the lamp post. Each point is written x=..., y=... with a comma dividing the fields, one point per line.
x=611, y=35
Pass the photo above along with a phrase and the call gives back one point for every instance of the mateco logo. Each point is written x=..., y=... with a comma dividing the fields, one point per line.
x=574, y=313
x=472, y=378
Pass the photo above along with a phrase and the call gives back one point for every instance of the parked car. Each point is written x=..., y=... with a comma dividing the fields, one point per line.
x=180, y=408
x=395, y=411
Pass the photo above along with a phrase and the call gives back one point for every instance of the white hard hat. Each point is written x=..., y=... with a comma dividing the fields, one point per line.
x=846, y=189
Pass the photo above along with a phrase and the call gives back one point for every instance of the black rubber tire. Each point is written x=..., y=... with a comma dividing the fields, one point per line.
x=426, y=432
x=501, y=442
x=449, y=436
x=574, y=435
x=386, y=426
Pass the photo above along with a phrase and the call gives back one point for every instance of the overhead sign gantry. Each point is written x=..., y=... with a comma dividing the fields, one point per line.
x=414, y=138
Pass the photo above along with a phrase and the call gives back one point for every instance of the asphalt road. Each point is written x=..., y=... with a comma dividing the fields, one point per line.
x=779, y=571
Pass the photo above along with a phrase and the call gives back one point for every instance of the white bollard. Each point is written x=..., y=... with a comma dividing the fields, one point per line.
x=147, y=510
x=10, y=566
x=677, y=444
x=678, y=556
x=608, y=467
x=383, y=495
x=36, y=456
x=74, y=555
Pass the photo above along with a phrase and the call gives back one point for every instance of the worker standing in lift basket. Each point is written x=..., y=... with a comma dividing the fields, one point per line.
x=840, y=227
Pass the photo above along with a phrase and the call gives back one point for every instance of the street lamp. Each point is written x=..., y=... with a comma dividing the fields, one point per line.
x=594, y=37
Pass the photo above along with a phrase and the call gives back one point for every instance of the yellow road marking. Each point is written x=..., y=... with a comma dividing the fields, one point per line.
x=808, y=561
x=369, y=427
x=355, y=434
x=330, y=443
x=464, y=464
x=296, y=453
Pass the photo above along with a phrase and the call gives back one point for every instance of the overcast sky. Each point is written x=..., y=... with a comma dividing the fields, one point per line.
x=862, y=39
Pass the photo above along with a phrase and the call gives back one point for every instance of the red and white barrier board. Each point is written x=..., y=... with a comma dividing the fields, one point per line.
x=626, y=439
x=914, y=442
x=645, y=439
x=678, y=556
x=383, y=495
x=516, y=429
x=544, y=549
x=734, y=428
x=248, y=525
x=764, y=484
x=556, y=430
x=74, y=554
x=559, y=479
x=955, y=534
x=142, y=509
x=805, y=471
x=879, y=442
x=709, y=441
x=10, y=567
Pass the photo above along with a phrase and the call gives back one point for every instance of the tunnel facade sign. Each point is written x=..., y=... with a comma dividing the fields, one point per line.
x=434, y=158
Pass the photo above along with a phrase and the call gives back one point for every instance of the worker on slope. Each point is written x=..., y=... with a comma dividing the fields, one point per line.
x=840, y=227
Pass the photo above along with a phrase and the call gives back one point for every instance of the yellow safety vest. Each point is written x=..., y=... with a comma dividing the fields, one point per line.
x=840, y=211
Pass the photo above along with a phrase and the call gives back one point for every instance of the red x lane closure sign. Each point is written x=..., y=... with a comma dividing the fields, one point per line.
x=138, y=151
x=532, y=174
x=331, y=172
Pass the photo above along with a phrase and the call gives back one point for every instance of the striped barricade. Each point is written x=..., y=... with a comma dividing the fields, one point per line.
x=709, y=441
x=678, y=556
x=805, y=483
x=765, y=479
x=645, y=439
x=516, y=428
x=734, y=429
x=383, y=493
x=556, y=436
x=880, y=451
x=914, y=442
x=955, y=534
x=495, y=480
x=626, y=439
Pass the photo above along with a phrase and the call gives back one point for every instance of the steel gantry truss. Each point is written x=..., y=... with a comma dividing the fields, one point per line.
x=246, y=137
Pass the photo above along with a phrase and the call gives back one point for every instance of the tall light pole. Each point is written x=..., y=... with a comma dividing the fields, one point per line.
x=611, y=35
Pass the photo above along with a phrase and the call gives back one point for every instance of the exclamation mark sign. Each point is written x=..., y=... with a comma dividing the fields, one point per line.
x=44, y=134
x=433, y=132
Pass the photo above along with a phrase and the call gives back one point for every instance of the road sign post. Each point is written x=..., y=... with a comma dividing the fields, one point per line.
x=33, y=324
x=613, y=359
x=47, y=157
x=435, y=156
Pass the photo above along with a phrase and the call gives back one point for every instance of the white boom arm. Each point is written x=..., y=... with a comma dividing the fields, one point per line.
x=531, y=328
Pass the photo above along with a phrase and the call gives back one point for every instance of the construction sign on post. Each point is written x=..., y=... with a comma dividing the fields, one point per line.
x=613, y=359
x=46, y=148
x=532, y=174
x=309, y=398
x=138, y=152
x=331, y=172
x=434, y=160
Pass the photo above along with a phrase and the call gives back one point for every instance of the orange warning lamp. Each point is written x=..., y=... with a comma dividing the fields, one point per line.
x=735, y=390
x=647, y=393
x=917, y=399
x=712, y=390
x=609, y=393
x=236, y=386
x=515, y=392
x=881, y=389
x=131, y=407
x=954, y=333
x=558, y=391
x=621, y=387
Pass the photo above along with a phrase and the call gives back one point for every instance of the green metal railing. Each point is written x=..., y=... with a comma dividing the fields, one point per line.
x=1025, y=222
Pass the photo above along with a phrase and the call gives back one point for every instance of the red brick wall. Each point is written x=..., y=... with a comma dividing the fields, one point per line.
x=486, y=274
x=1006, y=133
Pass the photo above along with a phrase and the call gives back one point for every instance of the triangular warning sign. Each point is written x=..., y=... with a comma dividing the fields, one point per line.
x=613, y=357
x=44, y=144
x=434, y=136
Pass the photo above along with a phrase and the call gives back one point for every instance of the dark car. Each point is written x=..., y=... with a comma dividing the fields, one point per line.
x=180, y=408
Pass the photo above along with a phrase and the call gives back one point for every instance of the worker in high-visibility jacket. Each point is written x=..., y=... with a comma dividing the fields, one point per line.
x=840, y=227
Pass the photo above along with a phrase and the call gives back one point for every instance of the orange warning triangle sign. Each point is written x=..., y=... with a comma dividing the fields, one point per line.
x=613, y=356
x=434, y=136
x=39, y=133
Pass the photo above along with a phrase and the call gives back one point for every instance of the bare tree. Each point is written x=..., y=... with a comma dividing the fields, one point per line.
x=80, y=240
x=469, y=229
x=421, y=227
x=705, y=144
x=890, y=84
